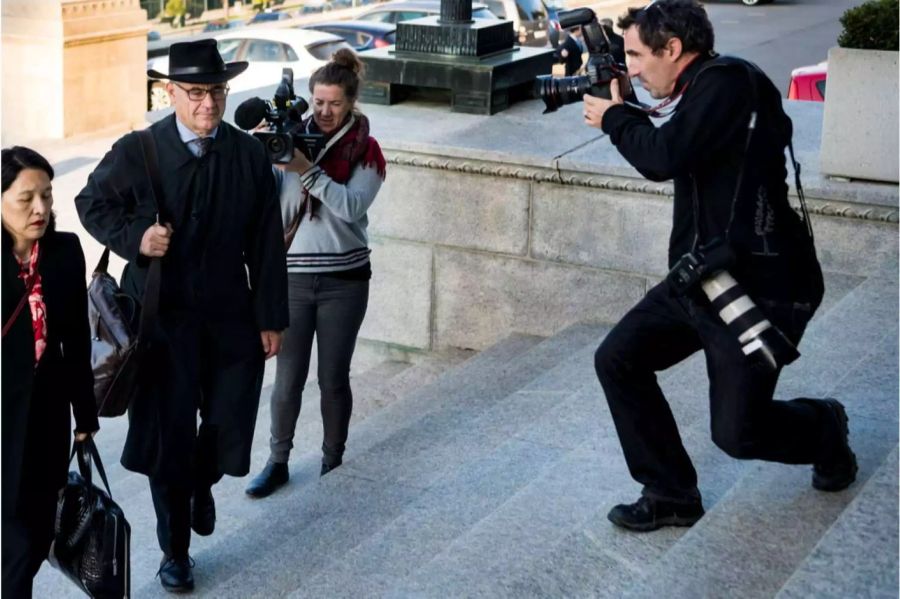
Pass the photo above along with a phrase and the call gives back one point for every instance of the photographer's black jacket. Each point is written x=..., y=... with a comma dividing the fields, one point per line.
x=702, y=148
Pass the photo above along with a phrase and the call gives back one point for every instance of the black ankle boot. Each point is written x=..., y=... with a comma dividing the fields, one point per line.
x=648, y=514
x=273, y=476
x=326, y=468
x=836, y=469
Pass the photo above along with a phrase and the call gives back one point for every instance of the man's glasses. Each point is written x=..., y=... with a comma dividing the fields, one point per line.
x=197, y=94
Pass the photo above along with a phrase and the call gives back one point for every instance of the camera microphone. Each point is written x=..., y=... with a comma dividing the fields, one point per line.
x=250, y=113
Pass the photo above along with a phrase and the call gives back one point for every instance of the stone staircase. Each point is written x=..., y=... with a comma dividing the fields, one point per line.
x=491, y=477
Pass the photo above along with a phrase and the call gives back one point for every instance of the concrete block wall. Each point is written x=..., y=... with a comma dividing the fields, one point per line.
x=467, y=251
x=859, y=129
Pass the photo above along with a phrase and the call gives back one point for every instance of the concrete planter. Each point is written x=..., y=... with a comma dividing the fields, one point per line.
x=859, y=132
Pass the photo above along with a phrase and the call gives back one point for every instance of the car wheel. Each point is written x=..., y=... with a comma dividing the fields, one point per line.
x=159, y=97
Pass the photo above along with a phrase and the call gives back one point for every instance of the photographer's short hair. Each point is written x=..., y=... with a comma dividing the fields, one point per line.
x=344, y=69
x=662, y=20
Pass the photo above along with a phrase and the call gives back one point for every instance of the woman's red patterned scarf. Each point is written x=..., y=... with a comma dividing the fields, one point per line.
x=32, y=277
x=353, y=148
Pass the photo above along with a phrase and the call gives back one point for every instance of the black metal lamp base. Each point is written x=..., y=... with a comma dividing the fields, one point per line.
x=478, y=85
x=478, y=37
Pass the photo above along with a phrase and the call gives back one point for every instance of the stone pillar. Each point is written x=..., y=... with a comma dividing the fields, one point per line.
x=72, y=67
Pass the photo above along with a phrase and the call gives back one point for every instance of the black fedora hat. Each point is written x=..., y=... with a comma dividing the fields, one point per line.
x=198, y=62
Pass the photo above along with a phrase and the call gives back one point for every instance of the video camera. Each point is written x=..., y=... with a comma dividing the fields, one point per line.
x=601, y=67
x=283, y=114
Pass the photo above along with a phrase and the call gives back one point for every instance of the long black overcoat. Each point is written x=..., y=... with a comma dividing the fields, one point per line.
x=223, y=281
x=36, y=421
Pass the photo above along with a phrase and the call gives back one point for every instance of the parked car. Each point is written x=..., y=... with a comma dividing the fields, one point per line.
x=222, y=25
x=808, y=83
x=268, y=17
x=267, y=50
x=315, y=6
x=529, y=17
x=362, y=35
x=405, y=10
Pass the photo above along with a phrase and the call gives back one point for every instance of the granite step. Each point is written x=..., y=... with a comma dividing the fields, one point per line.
x=484, y=463
x=419, y=374
x=499, y=406
x=436, y=448
x=554, y=533
x=857, y=557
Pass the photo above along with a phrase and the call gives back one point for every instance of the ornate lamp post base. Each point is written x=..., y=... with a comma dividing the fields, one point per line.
x=474, y=60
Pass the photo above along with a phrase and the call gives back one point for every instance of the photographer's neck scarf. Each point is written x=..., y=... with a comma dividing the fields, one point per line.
x=348, y=147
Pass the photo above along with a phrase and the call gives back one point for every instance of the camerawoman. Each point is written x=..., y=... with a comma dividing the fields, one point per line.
x=744, y=277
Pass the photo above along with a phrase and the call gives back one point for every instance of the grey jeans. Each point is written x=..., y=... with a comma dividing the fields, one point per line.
x=332, y=310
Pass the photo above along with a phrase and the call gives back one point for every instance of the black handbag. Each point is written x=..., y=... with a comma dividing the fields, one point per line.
x=117, y=349
x=92, y=538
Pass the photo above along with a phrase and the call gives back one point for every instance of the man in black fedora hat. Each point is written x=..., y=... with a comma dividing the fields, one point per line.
x=223, y=293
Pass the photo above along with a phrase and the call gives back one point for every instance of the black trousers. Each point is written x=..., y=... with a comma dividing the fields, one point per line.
x=747, y=423
x=172, y=500
x=331, y=310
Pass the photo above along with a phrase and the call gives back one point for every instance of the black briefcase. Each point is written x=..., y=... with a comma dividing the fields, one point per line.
x=92, y=538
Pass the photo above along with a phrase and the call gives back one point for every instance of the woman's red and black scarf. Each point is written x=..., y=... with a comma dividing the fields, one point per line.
x=355, y=147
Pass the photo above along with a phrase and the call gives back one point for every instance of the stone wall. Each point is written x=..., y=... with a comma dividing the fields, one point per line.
x=72, y=67
x=467, y=251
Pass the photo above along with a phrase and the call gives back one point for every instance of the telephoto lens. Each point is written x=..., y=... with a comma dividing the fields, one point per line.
x=759, y=338
x=559, y=91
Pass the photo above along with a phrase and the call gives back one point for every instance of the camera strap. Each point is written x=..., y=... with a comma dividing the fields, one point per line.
x=751, y=126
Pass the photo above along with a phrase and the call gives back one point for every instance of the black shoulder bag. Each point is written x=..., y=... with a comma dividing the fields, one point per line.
x=92, y=538
x=117, y=351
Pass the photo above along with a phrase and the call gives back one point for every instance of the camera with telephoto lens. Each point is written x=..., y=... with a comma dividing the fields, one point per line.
x=601, y=67
x=759, y=338
x=283, y=114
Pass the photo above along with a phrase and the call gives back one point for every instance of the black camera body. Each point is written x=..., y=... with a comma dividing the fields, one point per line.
x=694, y=267
x=601, y=67
x=284, y=115
x=707, y=267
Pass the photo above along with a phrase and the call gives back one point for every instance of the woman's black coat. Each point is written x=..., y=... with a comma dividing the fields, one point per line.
x=223, y=281
x=36, y=421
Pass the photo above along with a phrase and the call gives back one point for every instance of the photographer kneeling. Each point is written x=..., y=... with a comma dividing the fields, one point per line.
x=739, y=255
x=324, y=204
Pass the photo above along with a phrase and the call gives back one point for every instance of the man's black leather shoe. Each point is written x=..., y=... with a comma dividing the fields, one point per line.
x=203, y=512
x=648, y=514
x=837, y=469
x=175, y=574
x=272, y=477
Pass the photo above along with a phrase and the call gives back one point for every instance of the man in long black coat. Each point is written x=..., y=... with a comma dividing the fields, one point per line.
x=223, y=296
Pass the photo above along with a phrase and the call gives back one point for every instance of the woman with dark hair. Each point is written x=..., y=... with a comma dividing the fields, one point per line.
x=46, y=363
x=324, y=204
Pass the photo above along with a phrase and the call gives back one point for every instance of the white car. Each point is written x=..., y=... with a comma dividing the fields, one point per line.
x=267, y=51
